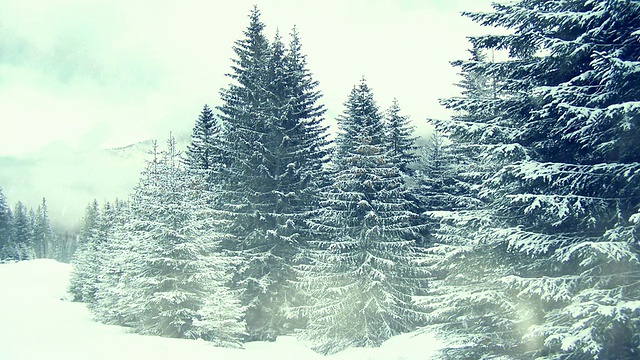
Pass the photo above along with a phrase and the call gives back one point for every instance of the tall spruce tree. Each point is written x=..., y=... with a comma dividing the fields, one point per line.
x=97, y=230
x=400, y=137
x=175, y=253
x=275, y=147
x=579, y=196
x=6, y=227
x=363, y=272
x=118, y=261
x=467, y=303
x=435, y=176
x=84, y=272
x=22, y=245
x=565, y=213
x=172, y=279
x=204, y=153
x=42, y=234
x=305, y=116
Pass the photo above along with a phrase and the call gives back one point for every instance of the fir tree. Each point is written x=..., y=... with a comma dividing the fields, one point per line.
x=245, y=114
x=305, y=115
x=276, y=148
x=6, y=227
x=118, y=261
x=204, y=153
x=467, y=302
x=66, y=247
x=400, y=138
x=362, y=275
x=22, y=245
x=565, y=212
x=96, y=231
x=84, y=271
x=433, y=175
x=171, y=277
x=42, y=234
x=577, y=198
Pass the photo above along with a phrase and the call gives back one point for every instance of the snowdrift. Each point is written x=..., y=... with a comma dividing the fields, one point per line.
x=37, y=321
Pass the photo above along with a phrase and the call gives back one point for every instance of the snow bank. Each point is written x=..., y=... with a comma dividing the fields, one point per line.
x=37, y=321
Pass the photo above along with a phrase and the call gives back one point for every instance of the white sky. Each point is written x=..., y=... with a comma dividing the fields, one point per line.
x=111, y=72
x=77, y=76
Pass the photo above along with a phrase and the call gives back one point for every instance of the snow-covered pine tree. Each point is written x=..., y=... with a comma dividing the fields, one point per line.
x=573, y=207
x=42, y=234
x=21, y=247
x=566, y=213
x=299, y=151
x=305, y=115
x=467, y=303
x=56, y=249
x=119, y=262
x=65, y=246
x=363, y=271
x=204, y=153
x=173, y=279
x=94, y=253
x=276, y=147
x=433, y=175
x=248, y=186
x=84, y=272
x=6, y=228
x=399, y=132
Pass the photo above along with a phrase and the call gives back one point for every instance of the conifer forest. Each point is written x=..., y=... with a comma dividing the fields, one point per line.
x=513, y=231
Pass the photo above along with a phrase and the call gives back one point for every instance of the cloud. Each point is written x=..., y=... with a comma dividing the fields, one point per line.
x=71, y=65
x=106, y=73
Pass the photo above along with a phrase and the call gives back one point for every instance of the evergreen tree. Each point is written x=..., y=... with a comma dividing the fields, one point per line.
x=42, y=234
x=96, y=231
x=434, y=176
x=276, y=147
x=84, y=272
x=400, y=138
x=204, y=152
x=119, y=262
x=305, y=118
x=172, y=279
x=363, y=272
x=6, y=227
x=66, y=247
x=22, y=246
x=564, y=221
x=578, y=197
x=467, y=302
x=245, y=114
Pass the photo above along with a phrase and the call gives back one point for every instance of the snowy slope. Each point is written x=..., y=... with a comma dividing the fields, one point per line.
x=37, y=322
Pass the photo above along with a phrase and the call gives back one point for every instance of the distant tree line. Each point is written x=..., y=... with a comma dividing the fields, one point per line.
x=512, y=232
x=27, y=234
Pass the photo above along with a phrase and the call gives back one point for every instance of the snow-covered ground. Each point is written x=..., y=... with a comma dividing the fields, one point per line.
x=38, y=322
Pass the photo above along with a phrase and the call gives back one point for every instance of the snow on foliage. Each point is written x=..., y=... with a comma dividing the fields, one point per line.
x=362, y=274
x=562, y=231
x=156, y=266
x=275, y=147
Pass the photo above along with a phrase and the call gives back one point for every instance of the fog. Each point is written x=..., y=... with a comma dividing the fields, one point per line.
x=79, y=77
x=70, y=179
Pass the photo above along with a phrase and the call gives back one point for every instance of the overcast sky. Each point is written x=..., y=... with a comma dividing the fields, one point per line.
x=77, y=76
x=109, y=73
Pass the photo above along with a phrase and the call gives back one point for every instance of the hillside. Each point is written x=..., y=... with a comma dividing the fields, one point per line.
x=70, y=178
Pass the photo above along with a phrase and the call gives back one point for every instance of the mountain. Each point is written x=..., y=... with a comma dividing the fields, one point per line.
x=69, y=178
